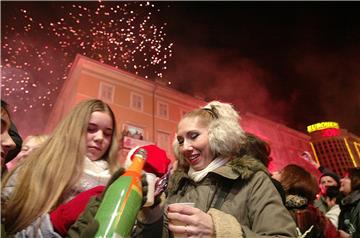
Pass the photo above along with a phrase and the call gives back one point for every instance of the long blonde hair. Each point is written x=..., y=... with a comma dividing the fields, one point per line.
x=38, y=139
x=226, y=136
x=54, y=168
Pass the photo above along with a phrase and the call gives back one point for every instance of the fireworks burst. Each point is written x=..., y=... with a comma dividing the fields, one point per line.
x=38, y=49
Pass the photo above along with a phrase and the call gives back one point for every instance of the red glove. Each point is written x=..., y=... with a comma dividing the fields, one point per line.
x=157, y=161
x=66, y=214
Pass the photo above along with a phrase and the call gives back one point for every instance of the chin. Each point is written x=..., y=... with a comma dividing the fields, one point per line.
x=197, y=167
x=92, y=157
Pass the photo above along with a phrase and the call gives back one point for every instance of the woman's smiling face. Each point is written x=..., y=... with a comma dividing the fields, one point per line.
x=193, y=139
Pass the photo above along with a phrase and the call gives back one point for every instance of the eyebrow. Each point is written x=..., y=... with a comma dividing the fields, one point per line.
x=94, y=124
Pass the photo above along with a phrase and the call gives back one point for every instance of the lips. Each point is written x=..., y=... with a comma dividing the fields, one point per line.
x=94, y=148
x=194, y=158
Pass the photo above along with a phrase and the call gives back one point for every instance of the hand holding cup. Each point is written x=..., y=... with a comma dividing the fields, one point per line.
x=187, y=221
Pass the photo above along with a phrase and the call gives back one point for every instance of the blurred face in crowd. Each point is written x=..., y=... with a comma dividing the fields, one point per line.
x=325, y=182
x=7, y=142
x=345, y=185
x=27, y=147
x=193, y=139
x=99, y=135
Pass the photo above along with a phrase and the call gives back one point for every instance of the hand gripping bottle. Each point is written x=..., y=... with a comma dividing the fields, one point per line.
x=122, y=201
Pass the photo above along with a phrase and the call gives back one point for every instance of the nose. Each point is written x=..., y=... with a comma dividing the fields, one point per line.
x=99, y=136
x=7, y=143
x=187, y=147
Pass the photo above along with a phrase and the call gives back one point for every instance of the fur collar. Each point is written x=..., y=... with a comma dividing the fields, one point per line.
x=237, y=168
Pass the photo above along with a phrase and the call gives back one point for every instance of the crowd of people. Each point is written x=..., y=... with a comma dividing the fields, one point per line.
x=52, y=185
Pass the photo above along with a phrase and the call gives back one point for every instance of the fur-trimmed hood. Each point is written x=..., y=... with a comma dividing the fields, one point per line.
x=237, y=168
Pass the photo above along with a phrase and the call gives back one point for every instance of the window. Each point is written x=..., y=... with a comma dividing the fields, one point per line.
x=106, y=92
x=137, y=101
x=163, y=110
x=132, y=131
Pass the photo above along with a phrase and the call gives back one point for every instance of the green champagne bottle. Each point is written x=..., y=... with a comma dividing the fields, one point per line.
x=122, y=200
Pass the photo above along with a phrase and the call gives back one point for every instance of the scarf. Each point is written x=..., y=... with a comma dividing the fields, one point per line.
x=199, y=175
x=95, y=173
x=97, y=170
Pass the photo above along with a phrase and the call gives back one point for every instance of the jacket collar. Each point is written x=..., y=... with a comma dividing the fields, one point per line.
x=352, y=198
x=237, y=167
x=241, y=167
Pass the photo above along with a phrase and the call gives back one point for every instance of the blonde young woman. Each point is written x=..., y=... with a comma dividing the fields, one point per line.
x=80, y=154
x=233, y=195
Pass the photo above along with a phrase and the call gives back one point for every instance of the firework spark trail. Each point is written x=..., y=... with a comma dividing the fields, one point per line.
x=37, y=51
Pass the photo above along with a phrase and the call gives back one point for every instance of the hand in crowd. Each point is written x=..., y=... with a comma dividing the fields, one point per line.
x=343, y=234
x=198, y=223
x=308, y=158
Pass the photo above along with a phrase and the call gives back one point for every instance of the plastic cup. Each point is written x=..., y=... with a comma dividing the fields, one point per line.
x=178, y=223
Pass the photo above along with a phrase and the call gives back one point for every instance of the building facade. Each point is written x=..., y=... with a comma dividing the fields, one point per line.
x=333, y=147
x=147, y=112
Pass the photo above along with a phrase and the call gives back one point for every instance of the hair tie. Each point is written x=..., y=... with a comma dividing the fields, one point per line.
x=211, y=112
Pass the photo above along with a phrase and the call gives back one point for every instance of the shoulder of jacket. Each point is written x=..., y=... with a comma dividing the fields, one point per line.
x=244, y=167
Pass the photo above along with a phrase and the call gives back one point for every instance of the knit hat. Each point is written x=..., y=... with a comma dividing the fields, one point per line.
x=156, y=162
x=334, y=176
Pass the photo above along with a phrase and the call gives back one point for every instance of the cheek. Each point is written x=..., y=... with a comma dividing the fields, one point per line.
x=348, y=184
x=89, y=137
x=107, y=143
x=26, y=153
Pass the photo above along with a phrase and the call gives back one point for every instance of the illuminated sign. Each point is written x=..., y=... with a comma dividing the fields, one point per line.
x=322, y=125
x=330, y=132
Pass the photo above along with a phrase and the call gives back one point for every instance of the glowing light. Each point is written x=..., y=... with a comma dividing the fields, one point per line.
x=314, y=152
x=322, y=125
x=330, y=132
x=350, y=153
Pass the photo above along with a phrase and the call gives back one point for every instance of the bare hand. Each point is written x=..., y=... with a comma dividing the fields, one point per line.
x=343, y=234
x=197, y=223
x=308, y=158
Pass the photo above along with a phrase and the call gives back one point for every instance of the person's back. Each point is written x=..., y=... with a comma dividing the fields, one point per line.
x=349, y=218
x=310, y=221
x=301, y=188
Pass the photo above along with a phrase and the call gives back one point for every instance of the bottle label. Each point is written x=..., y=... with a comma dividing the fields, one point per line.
x=128, y=215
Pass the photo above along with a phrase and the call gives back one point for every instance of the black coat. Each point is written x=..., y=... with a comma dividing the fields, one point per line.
x=349, y=218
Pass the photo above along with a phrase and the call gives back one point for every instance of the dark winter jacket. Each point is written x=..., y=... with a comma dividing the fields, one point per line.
x=349, y=218
x=251, y=207
x=310, y=221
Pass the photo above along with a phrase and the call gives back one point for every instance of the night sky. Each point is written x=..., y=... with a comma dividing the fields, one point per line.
x=296, y=63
